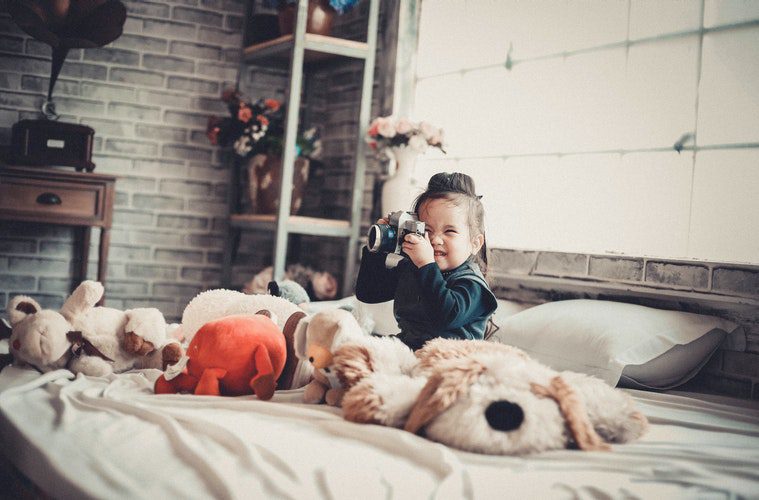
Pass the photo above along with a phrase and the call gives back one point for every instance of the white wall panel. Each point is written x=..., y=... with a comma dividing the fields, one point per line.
x=535, y=28
x=594, y=23
x=649, y=18
x=722, y=12
x=654, y=200
x=444, y=40
x=442, y=101
x=728, y=107
x=725, y=219
x=491, y=21
x=591, y=90
x=660, y=93
x=564, y=147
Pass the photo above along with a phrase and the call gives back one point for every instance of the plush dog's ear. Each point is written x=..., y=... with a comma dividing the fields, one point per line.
x=285, y=380
x=353, y=363
x=443, y=388
x=20, y=307
x=299, y=335
x=574, y=413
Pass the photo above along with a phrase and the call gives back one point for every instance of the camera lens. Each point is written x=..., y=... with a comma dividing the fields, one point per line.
x=381, y=238
x=375, y=238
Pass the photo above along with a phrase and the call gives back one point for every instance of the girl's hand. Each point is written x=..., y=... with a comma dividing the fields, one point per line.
x=419, y=249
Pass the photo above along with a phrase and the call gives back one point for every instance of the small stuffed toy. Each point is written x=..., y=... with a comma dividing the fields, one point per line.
x=319, y=285
x=289, y=290
x=318, y=337
x=220, y=303
x=231, y=356
x=87, y=339
x=487, y=398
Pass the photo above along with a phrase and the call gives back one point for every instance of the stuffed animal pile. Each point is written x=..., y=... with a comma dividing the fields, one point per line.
x=86, y=339
x=484, y=397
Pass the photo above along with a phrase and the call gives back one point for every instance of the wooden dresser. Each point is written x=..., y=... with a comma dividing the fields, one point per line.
x=61, y=196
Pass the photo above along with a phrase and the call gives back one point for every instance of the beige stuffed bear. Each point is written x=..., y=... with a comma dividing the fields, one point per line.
x=318, y=337
x=87, y=339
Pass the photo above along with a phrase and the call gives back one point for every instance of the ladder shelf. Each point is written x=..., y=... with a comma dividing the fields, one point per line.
x=297, y=52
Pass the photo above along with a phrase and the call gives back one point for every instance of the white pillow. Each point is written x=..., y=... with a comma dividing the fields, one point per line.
x=380, y=317
x=383, y=322
x=652, y=348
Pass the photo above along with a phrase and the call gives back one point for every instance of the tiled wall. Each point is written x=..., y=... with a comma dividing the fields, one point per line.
x=723, y=290
x=148, y=96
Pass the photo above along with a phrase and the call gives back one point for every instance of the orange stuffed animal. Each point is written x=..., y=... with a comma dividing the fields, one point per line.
x=232, y=356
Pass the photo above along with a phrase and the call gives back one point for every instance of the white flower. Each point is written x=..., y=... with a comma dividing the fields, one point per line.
x=428, y=130
x=316, y=153
x=386, y=128
x=242, y=145
x=437, y=138
x=404, y=126
x=417, y=143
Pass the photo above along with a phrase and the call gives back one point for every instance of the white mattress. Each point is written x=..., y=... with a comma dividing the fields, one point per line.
x=113, y=438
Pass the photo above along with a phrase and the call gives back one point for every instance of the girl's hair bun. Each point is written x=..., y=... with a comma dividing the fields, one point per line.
x=456, y=182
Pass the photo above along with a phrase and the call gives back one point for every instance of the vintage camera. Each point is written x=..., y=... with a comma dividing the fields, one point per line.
x=389, y=237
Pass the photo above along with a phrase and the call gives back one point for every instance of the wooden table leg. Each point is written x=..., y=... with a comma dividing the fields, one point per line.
x=85, y=233
x=105, y=240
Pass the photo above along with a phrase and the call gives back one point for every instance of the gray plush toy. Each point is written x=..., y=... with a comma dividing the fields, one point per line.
x=289, y=290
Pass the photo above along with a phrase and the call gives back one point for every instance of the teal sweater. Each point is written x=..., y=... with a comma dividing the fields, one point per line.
x=454, y=304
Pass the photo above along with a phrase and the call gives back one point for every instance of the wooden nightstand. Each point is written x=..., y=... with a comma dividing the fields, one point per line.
x=57, y=196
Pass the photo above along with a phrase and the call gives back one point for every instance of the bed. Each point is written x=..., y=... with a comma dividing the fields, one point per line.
x=87, y=437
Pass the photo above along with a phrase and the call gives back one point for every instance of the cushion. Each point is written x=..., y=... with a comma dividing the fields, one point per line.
x=629, y=344
x=380, y=317
x=383, y=320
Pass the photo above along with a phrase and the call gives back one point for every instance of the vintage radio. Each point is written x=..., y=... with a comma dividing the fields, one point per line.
x=52, y=143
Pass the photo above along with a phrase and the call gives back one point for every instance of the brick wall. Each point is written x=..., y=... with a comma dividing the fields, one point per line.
x=729, y=291
x=148, y=96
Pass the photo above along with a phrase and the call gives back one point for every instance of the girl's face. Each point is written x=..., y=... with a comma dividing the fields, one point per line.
x=447, y=226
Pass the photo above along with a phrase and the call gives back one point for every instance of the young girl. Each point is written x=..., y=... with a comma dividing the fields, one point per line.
x=439, y=290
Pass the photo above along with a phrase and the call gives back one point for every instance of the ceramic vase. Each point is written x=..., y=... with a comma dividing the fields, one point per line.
x=320, y=17
x=399, y=192
x=265, y=179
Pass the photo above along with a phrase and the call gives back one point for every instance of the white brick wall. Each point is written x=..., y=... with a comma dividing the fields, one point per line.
x=148, y=96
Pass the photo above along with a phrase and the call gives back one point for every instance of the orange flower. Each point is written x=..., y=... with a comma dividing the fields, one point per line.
x=272, y=104
x=244, y=114
x=373, y=129
x=263, y=120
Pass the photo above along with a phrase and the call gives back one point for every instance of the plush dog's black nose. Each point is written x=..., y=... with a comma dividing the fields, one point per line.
x=504, y=415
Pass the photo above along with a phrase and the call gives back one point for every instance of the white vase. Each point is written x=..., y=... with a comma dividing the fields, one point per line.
x=399, y=192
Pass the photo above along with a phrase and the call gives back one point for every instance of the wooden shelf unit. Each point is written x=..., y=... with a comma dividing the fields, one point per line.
x=318, y=48
x=300, y=51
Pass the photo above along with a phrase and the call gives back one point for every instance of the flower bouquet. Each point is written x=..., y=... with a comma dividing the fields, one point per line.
x=255, y=130
x=386, y=133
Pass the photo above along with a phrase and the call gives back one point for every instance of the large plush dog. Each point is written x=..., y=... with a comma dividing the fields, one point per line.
x=487, y=398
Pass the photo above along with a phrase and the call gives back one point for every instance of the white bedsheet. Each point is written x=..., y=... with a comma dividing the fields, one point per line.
x=112, y=438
